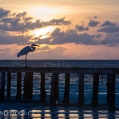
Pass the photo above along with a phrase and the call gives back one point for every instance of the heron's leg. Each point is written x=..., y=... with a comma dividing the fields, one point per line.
x=26, y=60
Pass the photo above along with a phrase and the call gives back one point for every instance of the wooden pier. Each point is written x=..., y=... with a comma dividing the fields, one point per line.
x=54, y=92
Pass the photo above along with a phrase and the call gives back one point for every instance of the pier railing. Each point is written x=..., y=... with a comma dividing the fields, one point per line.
x=54, y=92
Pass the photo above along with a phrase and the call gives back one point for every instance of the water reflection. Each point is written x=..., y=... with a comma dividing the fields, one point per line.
x=58, y=113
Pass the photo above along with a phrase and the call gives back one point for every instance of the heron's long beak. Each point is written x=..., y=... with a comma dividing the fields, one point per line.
x=37, y=45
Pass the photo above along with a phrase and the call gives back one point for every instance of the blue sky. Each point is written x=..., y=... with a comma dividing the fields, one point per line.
x=65, y=29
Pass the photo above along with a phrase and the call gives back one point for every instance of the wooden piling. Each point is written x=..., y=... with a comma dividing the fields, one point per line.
x=2, y=86
x=57, y=86
x=28, y=86
x=107, y=88
x=53, y=93
x=111, y=105
x=42, y=85
x=95, y=90
x=8, y=84
x=18, y=85
x=81, y=90
x=67, y=88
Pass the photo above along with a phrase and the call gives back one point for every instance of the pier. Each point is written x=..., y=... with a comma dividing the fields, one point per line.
x=54, y=92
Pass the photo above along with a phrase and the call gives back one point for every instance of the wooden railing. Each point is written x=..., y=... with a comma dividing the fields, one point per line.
x=54, y=93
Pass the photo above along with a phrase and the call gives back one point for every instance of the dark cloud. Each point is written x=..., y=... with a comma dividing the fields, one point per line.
x=22, y=22
x=111, y=40
x=70, y=36
x=108, y=23
x=92, y=17
x=3, y=32
x=109, y=29
x=82, y=28
x=98, y=36
x=116, y=35
x=95, y=17
x=93, y=23
x=3, y=12
x=14, y=39
x=59, y=22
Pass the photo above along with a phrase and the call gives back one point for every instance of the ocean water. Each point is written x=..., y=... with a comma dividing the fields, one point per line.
x=73, y=80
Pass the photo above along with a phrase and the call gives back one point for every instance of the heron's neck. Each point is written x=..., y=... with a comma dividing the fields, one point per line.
x=32, y=48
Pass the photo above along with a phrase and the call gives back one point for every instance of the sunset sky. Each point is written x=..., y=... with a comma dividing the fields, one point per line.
x=64, y=29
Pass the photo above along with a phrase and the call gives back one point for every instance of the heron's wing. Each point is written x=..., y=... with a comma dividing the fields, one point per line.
x=24, y=51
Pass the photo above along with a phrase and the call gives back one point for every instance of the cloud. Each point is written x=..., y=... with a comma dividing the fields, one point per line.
x=109, y=29
x=98, y=36
x=82, y=28
x=6, y=39
x=110, y=41
x=93, y=23
x=69, y=36
x=108, y=23
x=59, y=22
x=22, y=22
x=95, y=17
x=3, y=12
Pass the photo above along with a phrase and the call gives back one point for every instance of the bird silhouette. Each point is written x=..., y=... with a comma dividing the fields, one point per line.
x=26, y=50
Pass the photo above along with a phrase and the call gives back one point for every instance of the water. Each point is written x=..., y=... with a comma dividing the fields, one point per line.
x=73, y=81
x=61, y=63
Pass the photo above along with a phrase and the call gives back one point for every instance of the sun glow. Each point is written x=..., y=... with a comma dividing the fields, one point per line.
x=42, y=32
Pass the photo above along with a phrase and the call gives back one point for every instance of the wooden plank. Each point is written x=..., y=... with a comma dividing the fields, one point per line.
x=28, y=86
x=2, y=86
x=67, y=88
x=8, y=84
x=81, y=90
x=111, y=105
x=53, y=93
x=95, y=90
x=84, y=70
x=42, y=85
x=18, y=85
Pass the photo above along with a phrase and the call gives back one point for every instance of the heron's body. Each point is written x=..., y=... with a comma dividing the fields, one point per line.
x=26, y=50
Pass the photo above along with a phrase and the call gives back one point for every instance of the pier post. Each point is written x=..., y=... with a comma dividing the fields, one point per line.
x=8, y=84
x=53, y=93
x=107, y=88
x=81, y=90
x=57, y=87
x=18, y=85
x=95, y=90
x=28, y=86
x=42, y=85
x=111, y=105
x=67, y=87
x=2, y=86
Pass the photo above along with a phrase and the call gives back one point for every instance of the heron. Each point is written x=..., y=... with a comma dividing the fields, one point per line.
x=26, y=50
